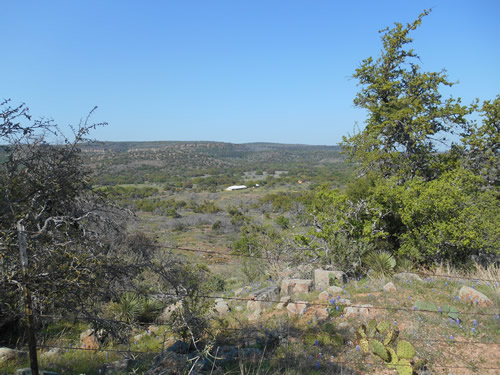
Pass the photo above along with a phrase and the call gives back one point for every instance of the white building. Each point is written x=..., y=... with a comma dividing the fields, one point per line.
x=236, y=187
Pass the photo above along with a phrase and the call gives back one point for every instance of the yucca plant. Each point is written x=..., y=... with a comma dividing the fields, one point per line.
x=381, y=264
x=128, y=308
x=150, y=309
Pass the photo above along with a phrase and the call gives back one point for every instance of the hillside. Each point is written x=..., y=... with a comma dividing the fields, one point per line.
x=163, y=162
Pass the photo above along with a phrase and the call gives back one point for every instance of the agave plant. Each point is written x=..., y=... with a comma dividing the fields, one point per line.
x=381, y=264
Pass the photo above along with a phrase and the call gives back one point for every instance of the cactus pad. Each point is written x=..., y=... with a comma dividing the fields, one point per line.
x=404, y=367
x=379, y=349
x=394, y=357
x=391, y=336
x=405, y=350
x=372, y=328
x=363, y=343
x=362, y=331
x=383, y=327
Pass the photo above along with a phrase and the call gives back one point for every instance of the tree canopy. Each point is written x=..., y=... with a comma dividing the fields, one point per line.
x=412, y=196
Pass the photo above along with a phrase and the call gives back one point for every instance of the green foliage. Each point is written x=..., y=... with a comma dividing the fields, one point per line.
x=283, y=222
x=132, y=307
x=411, y=200
x=406, y=114
x=381, y=264
x=127, y=309
x=480, y=150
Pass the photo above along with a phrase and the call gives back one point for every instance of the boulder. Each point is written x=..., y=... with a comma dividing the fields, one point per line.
x=51, y=353
x=295, y=286
x=322, y=278
x=168, y=311
x=89, y=340
x=254, y=305
x=335, y=290
x=468, y=294
x=7, y=354
x=407, y=276
x=320, y=315
x=283, y=302
x=296, y=308
x=358, y=310
x=221, y=306
x=268, y=293
x=255, y=315
x=389, y=287
x=263, y=298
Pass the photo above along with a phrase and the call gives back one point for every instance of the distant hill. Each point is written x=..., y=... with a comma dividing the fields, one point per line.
x=159, y=161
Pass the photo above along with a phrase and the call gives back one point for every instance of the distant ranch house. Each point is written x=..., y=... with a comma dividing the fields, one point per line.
x=236, y=187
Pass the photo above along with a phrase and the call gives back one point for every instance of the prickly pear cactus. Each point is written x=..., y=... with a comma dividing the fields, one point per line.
x=391, y=336
x=361, y=332
x=379, y=349
x=364, y=345
x=372, y=328
x=405, y=350
x=394, y=357
x=404, y=367
x=383, y=327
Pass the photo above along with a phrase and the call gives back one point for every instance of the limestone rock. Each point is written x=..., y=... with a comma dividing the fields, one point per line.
x=335, y=290
x=7, y=354
x=322, y=278
x=89, y=339
x=283, y=302
x=363, y=310
x=471, y=295
x=254, y=305
x=221, y=306
x=168, y=311
x=297, y=308
x=255, y=315
x=407, y=276
x=51, y=353
x=263, y=298
x=295, y=286
x=390, y=287
x=332, y=292
x=320, y=315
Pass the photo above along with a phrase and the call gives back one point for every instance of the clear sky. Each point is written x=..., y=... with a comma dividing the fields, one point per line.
x=235, y=70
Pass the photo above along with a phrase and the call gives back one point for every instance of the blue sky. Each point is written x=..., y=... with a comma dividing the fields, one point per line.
x=234, y=71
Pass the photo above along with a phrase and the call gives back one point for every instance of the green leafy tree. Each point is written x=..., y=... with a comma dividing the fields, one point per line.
x=481, y=144
x=408, y=198
x=407, y=116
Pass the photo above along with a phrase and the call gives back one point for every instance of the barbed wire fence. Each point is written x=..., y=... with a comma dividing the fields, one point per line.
x=327, y=305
